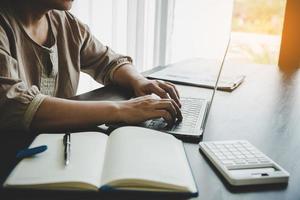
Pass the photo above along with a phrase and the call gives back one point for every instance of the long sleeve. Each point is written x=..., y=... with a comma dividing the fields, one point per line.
x=98, y=60
x=18, y=101
x=20, y=66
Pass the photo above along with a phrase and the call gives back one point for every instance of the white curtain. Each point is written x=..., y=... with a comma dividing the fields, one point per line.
x=127, y=26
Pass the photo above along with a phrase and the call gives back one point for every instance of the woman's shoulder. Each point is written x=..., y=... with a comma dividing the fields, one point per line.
x=62, y=17
x=64, y=20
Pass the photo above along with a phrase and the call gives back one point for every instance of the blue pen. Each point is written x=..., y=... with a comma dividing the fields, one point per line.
x=31, y=151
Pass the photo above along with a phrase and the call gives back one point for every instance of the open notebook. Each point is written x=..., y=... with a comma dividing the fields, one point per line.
x=131, y=158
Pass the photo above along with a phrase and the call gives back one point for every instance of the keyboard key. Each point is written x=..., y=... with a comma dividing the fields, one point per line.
x=192, y=119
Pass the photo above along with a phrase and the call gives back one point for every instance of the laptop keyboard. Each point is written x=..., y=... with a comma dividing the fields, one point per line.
x=192, y=119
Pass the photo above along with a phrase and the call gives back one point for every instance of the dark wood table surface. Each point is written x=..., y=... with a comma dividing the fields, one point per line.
x=265, y=110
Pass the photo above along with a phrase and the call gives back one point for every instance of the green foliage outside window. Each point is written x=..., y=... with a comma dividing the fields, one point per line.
x=259, y=16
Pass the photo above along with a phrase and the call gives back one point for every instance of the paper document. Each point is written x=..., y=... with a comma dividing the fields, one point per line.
x=198, y=75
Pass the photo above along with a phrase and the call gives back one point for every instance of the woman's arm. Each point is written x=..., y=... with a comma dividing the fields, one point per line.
x=102, y=63
x=106, y=67
x=55, y=114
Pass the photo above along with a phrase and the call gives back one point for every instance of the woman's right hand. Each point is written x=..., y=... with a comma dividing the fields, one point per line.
x=143, y=108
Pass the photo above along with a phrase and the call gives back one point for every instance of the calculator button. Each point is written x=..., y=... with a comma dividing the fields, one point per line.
x=239, y=162
x=250, y=156
x=265, y=162
x=228, y=162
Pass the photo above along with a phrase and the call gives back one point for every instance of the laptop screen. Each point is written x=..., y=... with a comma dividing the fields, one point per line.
x=216, y=82
x=219, y=74
x=204, y=73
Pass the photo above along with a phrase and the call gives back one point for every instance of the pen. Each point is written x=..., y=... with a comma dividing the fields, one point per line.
x=67, y=145
x=31, y=151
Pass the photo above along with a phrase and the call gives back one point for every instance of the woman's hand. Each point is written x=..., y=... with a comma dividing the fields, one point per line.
x=126, y=76
x=143, y=108
x=164, y=90
x=147, y=107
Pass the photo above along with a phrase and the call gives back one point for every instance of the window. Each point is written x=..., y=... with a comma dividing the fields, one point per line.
x=200, y=26
x=256, y=30
x=160, y=32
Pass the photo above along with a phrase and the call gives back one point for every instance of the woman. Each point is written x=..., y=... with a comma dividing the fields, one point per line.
x=43, y=48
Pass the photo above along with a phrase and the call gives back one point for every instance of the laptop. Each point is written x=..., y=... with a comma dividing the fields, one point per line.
x=195, y=112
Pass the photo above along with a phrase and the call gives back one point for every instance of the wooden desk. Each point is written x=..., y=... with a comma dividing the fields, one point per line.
x=264, y=110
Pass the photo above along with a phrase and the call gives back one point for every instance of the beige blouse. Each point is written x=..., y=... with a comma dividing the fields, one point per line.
x=29, y=72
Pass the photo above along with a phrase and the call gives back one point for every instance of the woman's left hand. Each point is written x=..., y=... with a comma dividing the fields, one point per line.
x=163, y=89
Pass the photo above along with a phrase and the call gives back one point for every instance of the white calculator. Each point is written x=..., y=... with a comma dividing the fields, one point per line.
x=243, y=164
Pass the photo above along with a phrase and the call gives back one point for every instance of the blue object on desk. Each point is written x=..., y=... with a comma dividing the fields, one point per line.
x=31, y=151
